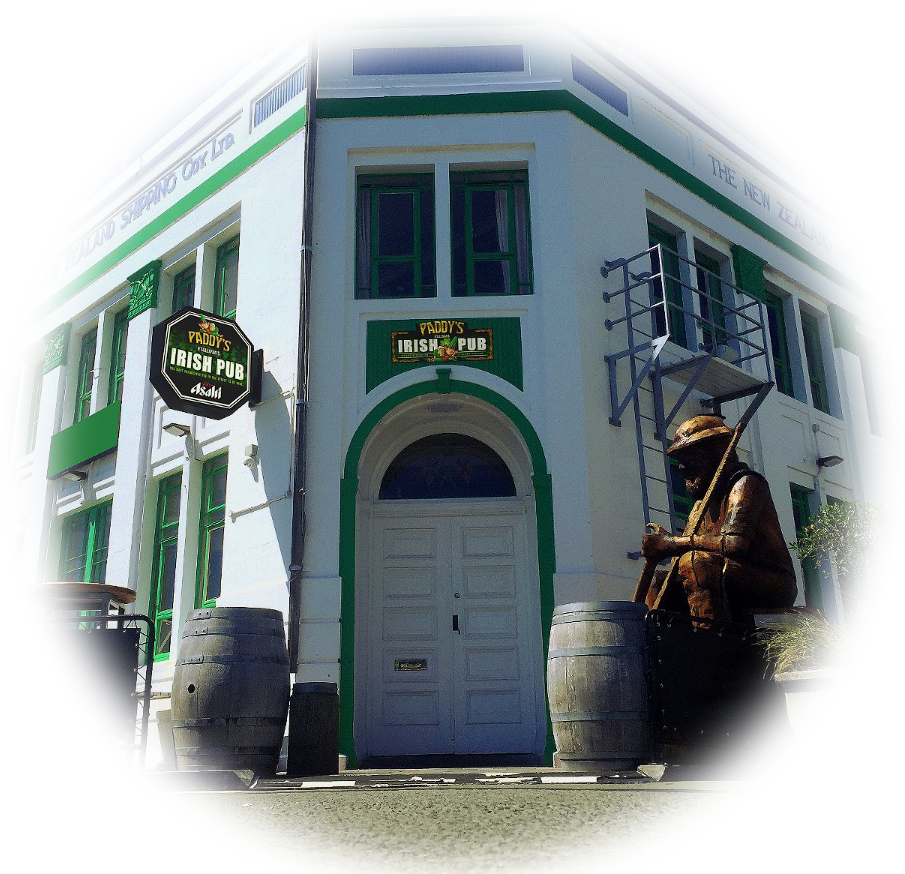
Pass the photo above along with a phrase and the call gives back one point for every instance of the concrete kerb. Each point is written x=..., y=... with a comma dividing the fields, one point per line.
x=128, y=781
x=645, y=777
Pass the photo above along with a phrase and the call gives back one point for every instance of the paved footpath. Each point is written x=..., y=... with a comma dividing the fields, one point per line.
x=725, y=827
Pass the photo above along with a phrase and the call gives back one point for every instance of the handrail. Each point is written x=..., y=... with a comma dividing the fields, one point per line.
x=648, y=269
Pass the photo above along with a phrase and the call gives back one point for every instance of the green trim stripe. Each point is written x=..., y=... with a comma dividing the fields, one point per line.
x=206, y=189
x=444, y=104
x=546, y=551
x=565, y=101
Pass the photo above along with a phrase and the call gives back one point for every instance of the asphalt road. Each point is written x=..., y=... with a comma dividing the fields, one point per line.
x=634, y=829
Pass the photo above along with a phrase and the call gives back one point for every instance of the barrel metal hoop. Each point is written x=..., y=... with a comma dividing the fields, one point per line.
x=614, y=650
x=230, y=632
x=600, y=715
x=207, y=752
x=610, y=618
x=227, y=659
x=220, y=721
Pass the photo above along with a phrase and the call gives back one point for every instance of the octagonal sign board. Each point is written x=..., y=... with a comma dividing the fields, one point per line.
x=201, y=363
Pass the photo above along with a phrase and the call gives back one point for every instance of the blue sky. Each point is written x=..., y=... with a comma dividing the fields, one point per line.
x=830, y=74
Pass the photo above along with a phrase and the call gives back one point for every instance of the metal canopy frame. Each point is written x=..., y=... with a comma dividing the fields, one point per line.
x=729, y=336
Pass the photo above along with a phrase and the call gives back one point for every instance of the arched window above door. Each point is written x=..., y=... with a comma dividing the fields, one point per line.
x=447, y=466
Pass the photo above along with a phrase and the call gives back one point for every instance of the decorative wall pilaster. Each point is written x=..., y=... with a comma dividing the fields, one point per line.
x=145, y=284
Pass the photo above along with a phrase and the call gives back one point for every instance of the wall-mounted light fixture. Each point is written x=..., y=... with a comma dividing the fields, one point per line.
x=251, y=455
x=829, y=460
x=76, y=475
x=177, y=429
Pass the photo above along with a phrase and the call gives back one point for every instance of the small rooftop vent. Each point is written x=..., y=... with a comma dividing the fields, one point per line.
x=279, y=95
x=421, y=60
x=601, y=86
x=759, y=116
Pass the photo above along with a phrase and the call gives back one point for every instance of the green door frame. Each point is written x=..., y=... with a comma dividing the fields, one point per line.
x=546, y=555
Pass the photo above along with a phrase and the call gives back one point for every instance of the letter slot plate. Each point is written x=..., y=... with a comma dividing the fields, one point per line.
x=410, y=665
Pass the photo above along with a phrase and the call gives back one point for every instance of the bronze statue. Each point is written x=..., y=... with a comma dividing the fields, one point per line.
x=732, y=559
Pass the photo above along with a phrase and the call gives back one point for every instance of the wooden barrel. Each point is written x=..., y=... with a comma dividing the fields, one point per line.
x=231, y=690
x=597, y=686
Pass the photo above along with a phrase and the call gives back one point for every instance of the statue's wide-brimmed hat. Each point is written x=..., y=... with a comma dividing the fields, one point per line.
x=697, y=430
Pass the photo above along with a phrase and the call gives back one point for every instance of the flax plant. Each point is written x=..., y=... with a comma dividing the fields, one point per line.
x=865, y=543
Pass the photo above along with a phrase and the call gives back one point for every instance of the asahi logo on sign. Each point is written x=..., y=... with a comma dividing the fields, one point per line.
x=201, y=363
x=442, y=340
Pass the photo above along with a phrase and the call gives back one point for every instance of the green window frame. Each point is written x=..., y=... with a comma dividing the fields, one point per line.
x=85, y=377
x=670, y=246
x=395, y=238
x=85, y=541
x=490, y=234
x=779, y=342
x=802, y=514
x=490, y=223
x=9, y=422
x=212, y=527
x=711, y=300
x=682, y=502
x=184, y=288
x=895, y=389
x=813, y=353
x=226, y=281
x=118, y=356
x=163, y=571
x=34, y=409
x=15, y=568
x=870, y=394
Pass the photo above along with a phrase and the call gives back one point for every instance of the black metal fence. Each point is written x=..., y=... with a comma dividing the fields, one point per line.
x=77, y=684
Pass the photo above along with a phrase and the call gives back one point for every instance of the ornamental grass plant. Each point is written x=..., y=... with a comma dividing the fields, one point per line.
x=816, y=643
x=865, y=543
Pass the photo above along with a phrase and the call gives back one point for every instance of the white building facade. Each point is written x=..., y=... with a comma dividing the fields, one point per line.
x=464, y=471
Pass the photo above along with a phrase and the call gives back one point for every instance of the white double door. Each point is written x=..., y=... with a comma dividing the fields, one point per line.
x=454, y=645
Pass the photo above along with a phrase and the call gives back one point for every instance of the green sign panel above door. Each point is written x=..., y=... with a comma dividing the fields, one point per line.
x=395, y=346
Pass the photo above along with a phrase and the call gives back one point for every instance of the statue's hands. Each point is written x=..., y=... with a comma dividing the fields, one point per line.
x=657, y=543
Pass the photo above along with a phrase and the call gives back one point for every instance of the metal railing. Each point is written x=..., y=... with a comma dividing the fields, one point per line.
x=75, y=684
x=672, y=303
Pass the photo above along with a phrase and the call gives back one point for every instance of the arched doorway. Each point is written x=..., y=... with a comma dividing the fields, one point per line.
x=448, y=633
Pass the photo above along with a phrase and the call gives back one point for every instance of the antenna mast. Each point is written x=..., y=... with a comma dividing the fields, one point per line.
x=132, y=86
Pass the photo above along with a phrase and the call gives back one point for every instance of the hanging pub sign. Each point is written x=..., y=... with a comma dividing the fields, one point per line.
x=442, y=340
x=204, y=364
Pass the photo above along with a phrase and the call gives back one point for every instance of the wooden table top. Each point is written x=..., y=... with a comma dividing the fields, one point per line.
x=79, y=595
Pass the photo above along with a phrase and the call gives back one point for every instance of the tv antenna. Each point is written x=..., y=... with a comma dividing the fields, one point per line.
x=132, y=86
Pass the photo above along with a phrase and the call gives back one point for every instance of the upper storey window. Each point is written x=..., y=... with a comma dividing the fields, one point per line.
x=395, y=238
x=491, y=239
x=184, y=289
x=85, y=376
x=226, y=290
x=280, y=95
x=599, y=85
x=813, y=353
x=421, y=60
x=669, y=244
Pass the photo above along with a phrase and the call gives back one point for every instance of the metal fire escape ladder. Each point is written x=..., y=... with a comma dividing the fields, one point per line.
x=726, y=359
